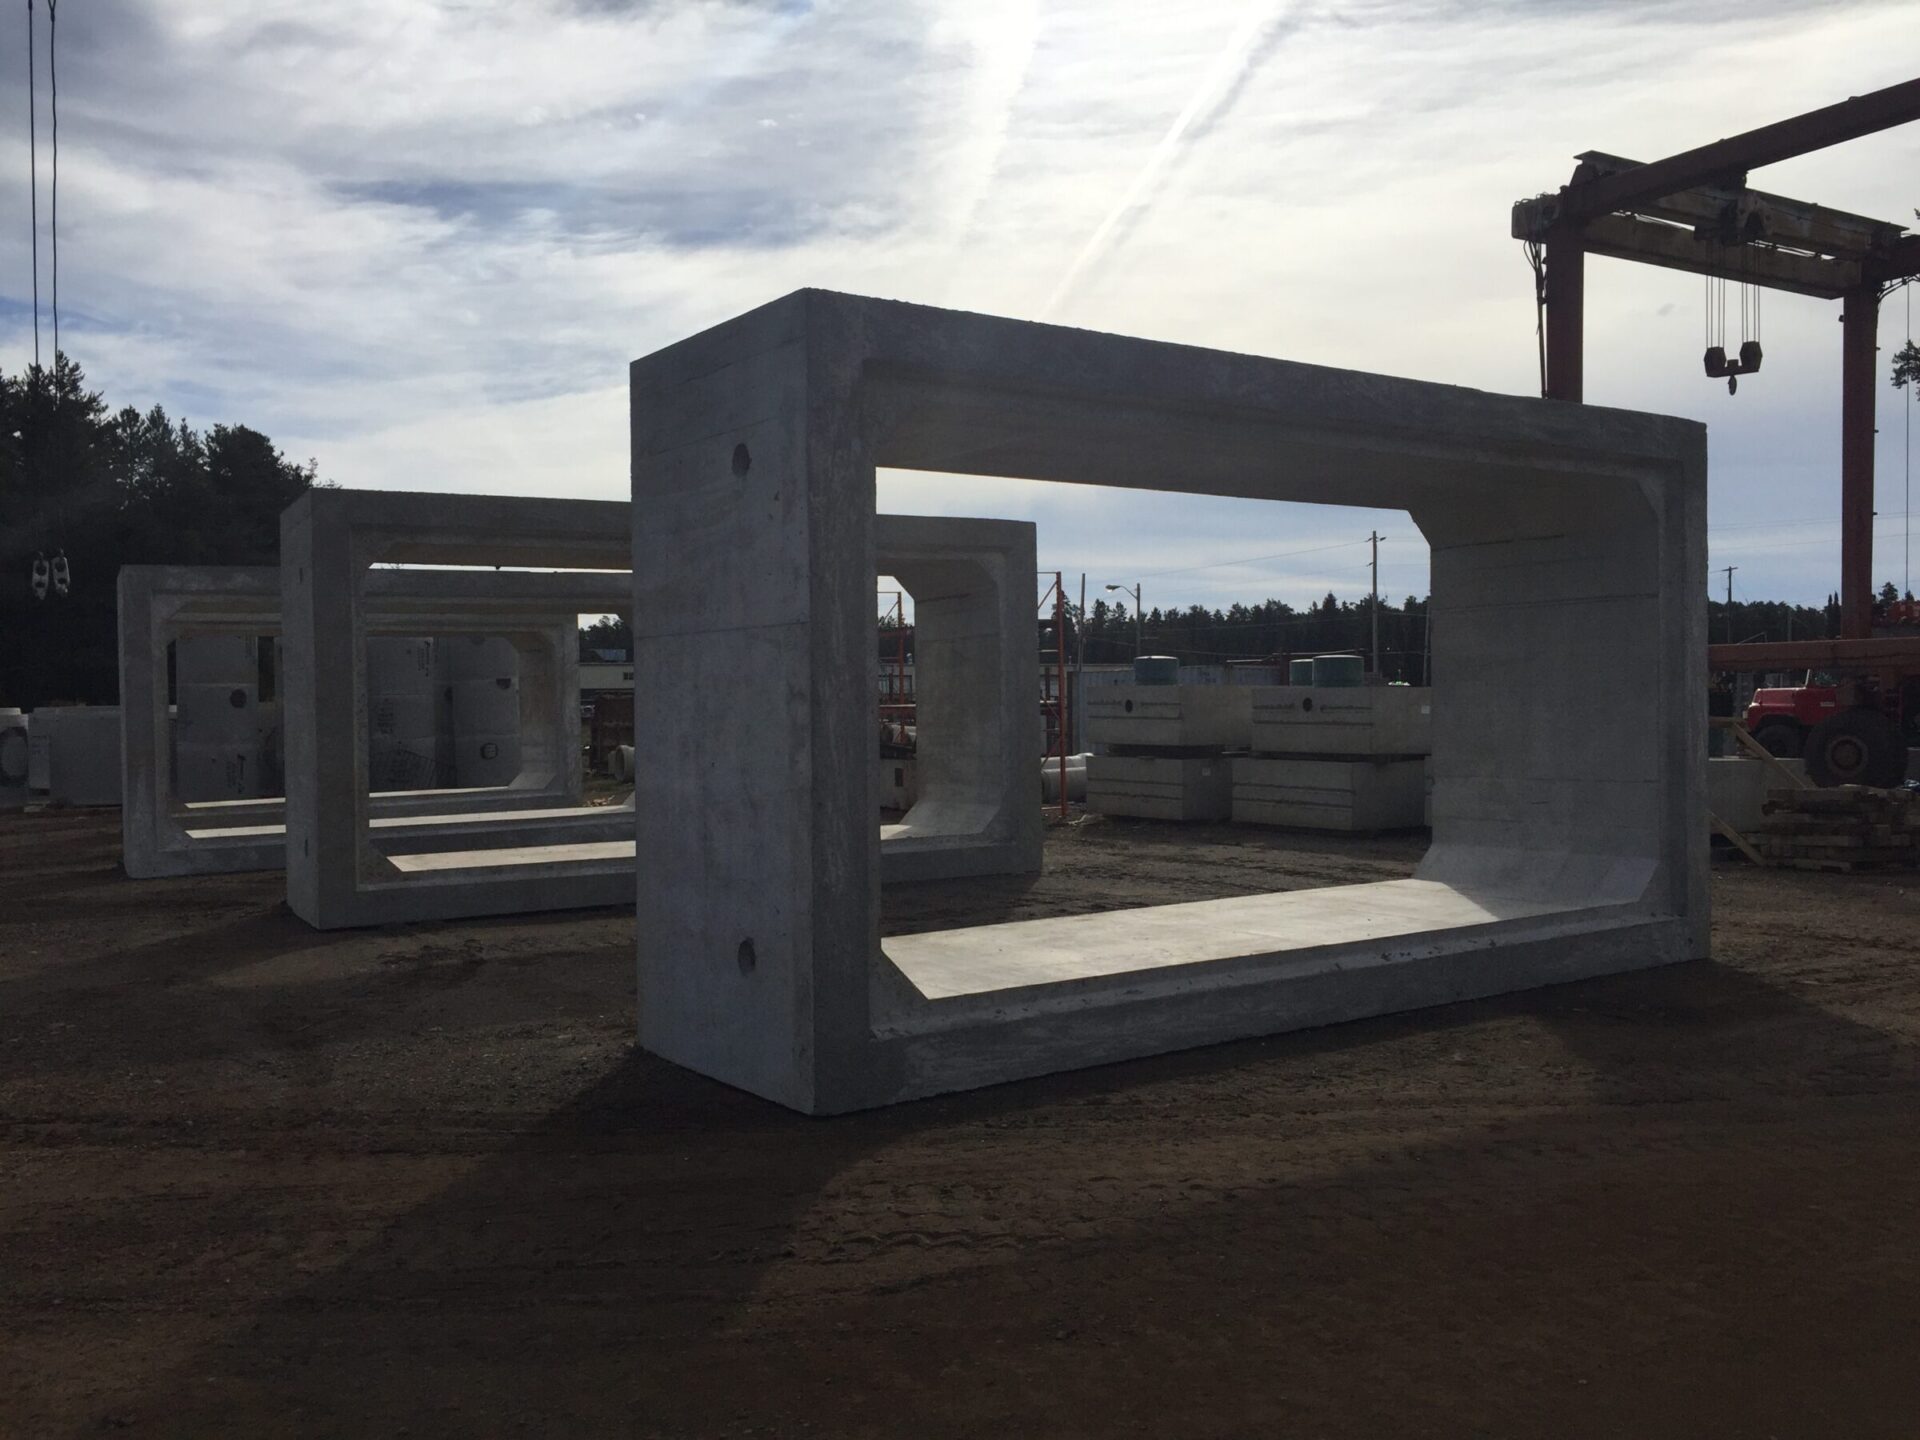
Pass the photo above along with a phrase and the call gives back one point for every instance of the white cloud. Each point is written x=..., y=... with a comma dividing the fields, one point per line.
x=420, y=240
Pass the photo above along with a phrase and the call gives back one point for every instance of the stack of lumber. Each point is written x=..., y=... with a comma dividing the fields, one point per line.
x=1852, y=827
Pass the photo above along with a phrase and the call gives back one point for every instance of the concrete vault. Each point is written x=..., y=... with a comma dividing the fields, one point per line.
x=1568, y=544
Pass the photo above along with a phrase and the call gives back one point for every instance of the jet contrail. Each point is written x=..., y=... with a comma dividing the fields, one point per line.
x=1220, y=81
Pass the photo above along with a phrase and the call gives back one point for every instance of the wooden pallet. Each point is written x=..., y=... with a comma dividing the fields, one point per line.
x=1848, y=828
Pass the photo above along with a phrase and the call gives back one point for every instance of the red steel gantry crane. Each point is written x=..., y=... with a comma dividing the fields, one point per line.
x=1694, y=211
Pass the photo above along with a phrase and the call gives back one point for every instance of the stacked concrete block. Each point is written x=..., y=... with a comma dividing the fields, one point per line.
x=1165, y=749
x=1341, y=795
x=1161, y=787
x=1336, y=758
x=1567, y=540
x=73, y=753
x=1372, y=721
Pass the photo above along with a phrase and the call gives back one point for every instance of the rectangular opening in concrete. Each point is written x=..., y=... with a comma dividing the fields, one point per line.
x=1223, y=745
x=1567, y=544
x=201, y=680
x=974, y=808
x=344, y=691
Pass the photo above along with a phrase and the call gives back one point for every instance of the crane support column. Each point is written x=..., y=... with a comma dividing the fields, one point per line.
x=1859, y=360
x=1566, y=287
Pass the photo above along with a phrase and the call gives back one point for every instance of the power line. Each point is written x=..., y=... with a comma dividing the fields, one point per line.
x=33, y=181
x=53, y=229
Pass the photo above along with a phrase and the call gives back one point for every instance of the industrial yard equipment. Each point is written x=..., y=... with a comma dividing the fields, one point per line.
x=1694, y=211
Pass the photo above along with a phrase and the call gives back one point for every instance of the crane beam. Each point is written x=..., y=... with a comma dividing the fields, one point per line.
x=1726, y=162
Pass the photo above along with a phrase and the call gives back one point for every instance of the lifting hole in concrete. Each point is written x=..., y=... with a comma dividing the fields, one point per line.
x=745, y=957
x=742, y=461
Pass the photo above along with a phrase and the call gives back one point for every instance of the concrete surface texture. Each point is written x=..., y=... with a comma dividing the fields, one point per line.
x=977, y=725
x=16, y=752
x=1378, y=720
x=1193, y=718
x=336, y=874
x=1329, y=794
x=71, y=753
x=1161, y=787
x=1568, y=542
x=214, y=614
x=1737, y=787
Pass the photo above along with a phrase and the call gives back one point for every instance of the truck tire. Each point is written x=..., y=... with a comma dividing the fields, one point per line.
x=1856, y=747
x=1781, y=738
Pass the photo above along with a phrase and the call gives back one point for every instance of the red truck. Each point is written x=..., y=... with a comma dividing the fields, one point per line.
x=1862, y=743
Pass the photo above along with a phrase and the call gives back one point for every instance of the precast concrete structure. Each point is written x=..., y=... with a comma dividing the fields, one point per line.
x=337, y=874
x=1350, y=721
x=976, y=810
x=1170, y=719
x=1568, y=542
x=977, y=727
x=214, y=615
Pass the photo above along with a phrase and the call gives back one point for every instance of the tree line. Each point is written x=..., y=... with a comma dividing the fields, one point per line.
x=106, y=488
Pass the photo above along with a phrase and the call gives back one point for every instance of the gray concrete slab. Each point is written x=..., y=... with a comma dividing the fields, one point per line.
x=1159, y=787
x=1567, y=540
x=1131, y=718
x=1320, y=793
x=1372, y=720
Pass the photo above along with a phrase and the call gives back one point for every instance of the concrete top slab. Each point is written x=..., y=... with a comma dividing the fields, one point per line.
x=976, y=394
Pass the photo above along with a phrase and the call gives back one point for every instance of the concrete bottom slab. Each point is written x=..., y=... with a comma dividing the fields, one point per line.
x=512, y=857
x=1341, y=795
x=946, y=963
x=1000, y=1003
x=402, y=834
x=1158, y=787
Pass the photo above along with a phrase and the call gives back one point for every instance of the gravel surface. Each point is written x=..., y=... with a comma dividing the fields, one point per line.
x=258, y=1181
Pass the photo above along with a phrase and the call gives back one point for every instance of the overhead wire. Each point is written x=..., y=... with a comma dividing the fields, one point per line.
x=33, y=180
x=53, y=228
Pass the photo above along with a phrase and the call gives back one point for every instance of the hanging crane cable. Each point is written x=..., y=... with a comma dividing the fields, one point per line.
x=33, y=184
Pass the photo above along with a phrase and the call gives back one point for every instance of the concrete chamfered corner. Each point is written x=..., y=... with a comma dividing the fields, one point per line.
x=1567, y=547
x=167, y=832
x=978, y=726
x=336, y=874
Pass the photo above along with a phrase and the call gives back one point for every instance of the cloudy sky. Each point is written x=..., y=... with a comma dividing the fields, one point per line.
x=420, y=241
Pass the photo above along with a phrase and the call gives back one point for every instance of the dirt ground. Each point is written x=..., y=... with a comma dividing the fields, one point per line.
x=256, y=1181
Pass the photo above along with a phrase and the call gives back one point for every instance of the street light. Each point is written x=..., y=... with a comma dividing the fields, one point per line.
x=1139, y=634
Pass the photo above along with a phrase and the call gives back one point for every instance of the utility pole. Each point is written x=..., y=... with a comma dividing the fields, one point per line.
x=1729, y=573
x=1375, y=540
x=1079, y=658
x=1139, y=617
